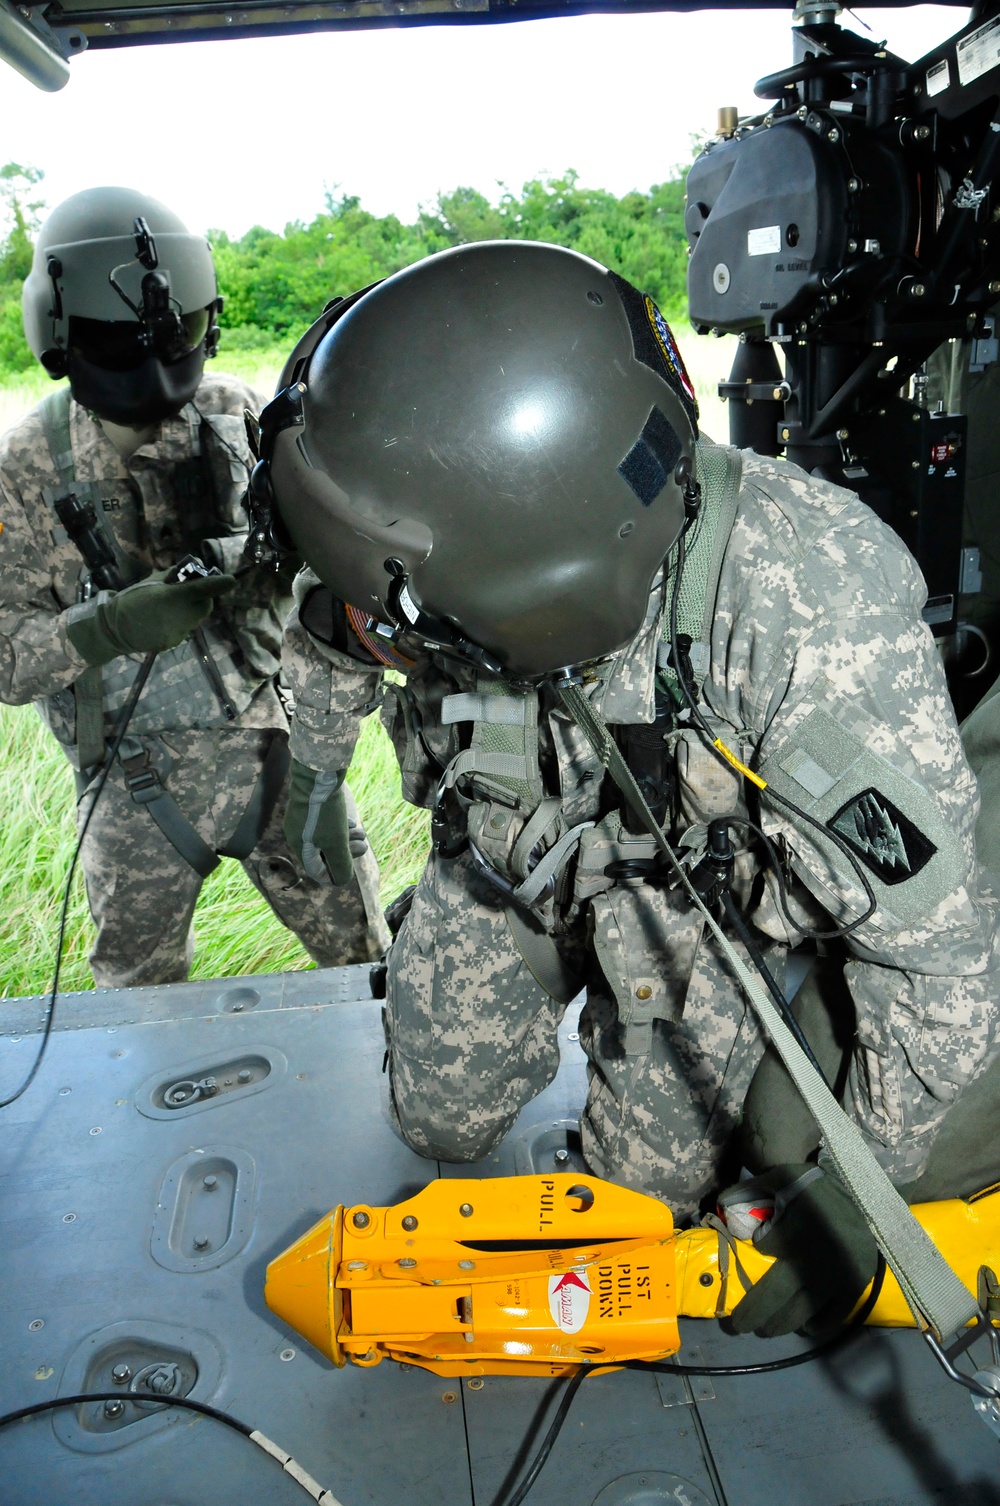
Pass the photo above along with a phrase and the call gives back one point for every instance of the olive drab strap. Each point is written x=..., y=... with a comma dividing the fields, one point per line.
x=88, y=687
x=933, y=1292
x=503, y=754
x=719, y=471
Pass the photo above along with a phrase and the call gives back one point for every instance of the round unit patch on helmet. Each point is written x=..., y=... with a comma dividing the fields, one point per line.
x=121, y=298
x=488, y=439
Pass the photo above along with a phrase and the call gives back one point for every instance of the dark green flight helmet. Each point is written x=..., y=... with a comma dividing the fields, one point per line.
x=122, y=298
x=483, y=449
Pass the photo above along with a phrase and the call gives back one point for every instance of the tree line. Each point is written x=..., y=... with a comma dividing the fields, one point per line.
x=276, y=283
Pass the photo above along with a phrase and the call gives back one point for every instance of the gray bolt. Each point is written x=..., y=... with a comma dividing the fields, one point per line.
x=114, y=1408
x=562, y=1156
x=121, y=1374
x=244, y=1075
x=96, y=1130
x=466, y=1265
x=357, y=1265
x=286, y=1355
x=853, y=185
x=36, y=1324
x=833, y=134
x=921, y=133
x=842, y=434
x=361, y=1220
x=69, y=1218
x=914, y=466
x=201, y=1241
x=917, y=290
x=210, y=1182
x=466, y=1210
x=476, y=1383
x=995, y=287
x=409, y=1223
x=64, y=1091
x=706, y=1278
x=407, y=1263
x=237, y=1008
x=852, y=245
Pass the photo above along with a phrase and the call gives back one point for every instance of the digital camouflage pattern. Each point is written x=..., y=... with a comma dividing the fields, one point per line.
x=142, y=893
x=819, y=672
x=179, y=493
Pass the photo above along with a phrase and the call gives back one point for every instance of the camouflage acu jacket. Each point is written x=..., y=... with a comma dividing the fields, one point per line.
x=179, y=493
x=818, y=670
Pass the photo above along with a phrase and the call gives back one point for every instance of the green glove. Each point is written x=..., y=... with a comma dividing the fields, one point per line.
x=825, y=1253
x=316, y=824
x=153, y=615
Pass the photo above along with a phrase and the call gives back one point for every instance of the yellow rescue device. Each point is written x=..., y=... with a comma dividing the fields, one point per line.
x=537, y=1275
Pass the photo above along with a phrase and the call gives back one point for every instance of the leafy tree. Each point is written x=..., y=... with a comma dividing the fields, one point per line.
x=19, y=217
x=275, y=283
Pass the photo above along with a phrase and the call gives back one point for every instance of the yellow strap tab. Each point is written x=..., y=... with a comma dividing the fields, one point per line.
x=739, y=766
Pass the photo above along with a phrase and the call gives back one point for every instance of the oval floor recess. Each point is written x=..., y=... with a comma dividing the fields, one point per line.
x=204, y=1210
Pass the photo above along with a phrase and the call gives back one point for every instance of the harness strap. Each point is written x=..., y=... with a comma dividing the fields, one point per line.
x=263, y=799
x=543, y=958
x=53, y=411
x=143, y=783
x=933, y=1292
x=719, y=472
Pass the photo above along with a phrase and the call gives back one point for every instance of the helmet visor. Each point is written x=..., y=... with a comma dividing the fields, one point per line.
x=119, y=345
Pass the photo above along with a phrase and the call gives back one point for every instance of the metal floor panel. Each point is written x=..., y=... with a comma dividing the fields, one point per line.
x=95, y=1172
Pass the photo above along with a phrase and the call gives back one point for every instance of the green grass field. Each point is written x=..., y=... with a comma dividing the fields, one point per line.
x=236, y=932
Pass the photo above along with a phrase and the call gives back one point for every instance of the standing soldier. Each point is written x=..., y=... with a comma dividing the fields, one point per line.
x=106, y=487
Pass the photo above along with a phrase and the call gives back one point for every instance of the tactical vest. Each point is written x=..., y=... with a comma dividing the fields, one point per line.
x=196, y=685
x=519, y=833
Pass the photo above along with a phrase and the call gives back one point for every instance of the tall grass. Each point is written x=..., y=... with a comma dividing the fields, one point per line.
x=235, y=931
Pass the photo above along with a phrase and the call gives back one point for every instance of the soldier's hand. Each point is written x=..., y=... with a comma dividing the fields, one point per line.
x=825, y=1253
x=153, y=615
x=316, y=824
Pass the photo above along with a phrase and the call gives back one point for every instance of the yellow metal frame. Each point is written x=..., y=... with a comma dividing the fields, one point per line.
x=540, y=1274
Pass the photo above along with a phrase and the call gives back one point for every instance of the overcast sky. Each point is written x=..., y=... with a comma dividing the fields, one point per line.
x=236, y=133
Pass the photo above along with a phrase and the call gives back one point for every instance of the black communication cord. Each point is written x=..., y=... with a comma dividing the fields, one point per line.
x=130, y=705
x=266, y=1445
x=836, y=1341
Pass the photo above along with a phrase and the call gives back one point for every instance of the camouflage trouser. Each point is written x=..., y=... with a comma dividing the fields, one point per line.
x=472, y=1038
x=142, y=893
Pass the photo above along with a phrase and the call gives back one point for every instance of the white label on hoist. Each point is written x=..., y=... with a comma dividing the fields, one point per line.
x=938, y=78
x=977, y=53
x=765, y=241
x=569, y=1300
x=408, y=606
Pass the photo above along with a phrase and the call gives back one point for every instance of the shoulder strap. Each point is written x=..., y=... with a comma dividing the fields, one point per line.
x=54, y=413
x=719, y=473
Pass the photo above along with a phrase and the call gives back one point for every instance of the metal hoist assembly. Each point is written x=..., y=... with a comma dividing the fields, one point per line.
x=537, y=1275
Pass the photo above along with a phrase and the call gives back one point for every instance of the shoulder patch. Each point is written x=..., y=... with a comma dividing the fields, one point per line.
x=882, y=837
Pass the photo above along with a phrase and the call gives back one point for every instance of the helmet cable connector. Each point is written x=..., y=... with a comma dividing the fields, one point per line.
x=684, y=477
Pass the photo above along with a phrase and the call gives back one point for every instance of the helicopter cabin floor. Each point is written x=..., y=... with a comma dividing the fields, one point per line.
x=98, y=1173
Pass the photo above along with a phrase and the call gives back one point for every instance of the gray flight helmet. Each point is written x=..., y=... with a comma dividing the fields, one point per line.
x=485, y=445
x=114, y=266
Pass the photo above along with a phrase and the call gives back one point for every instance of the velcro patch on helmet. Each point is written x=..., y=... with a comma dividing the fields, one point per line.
x=654, y=345
x=650, y=462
